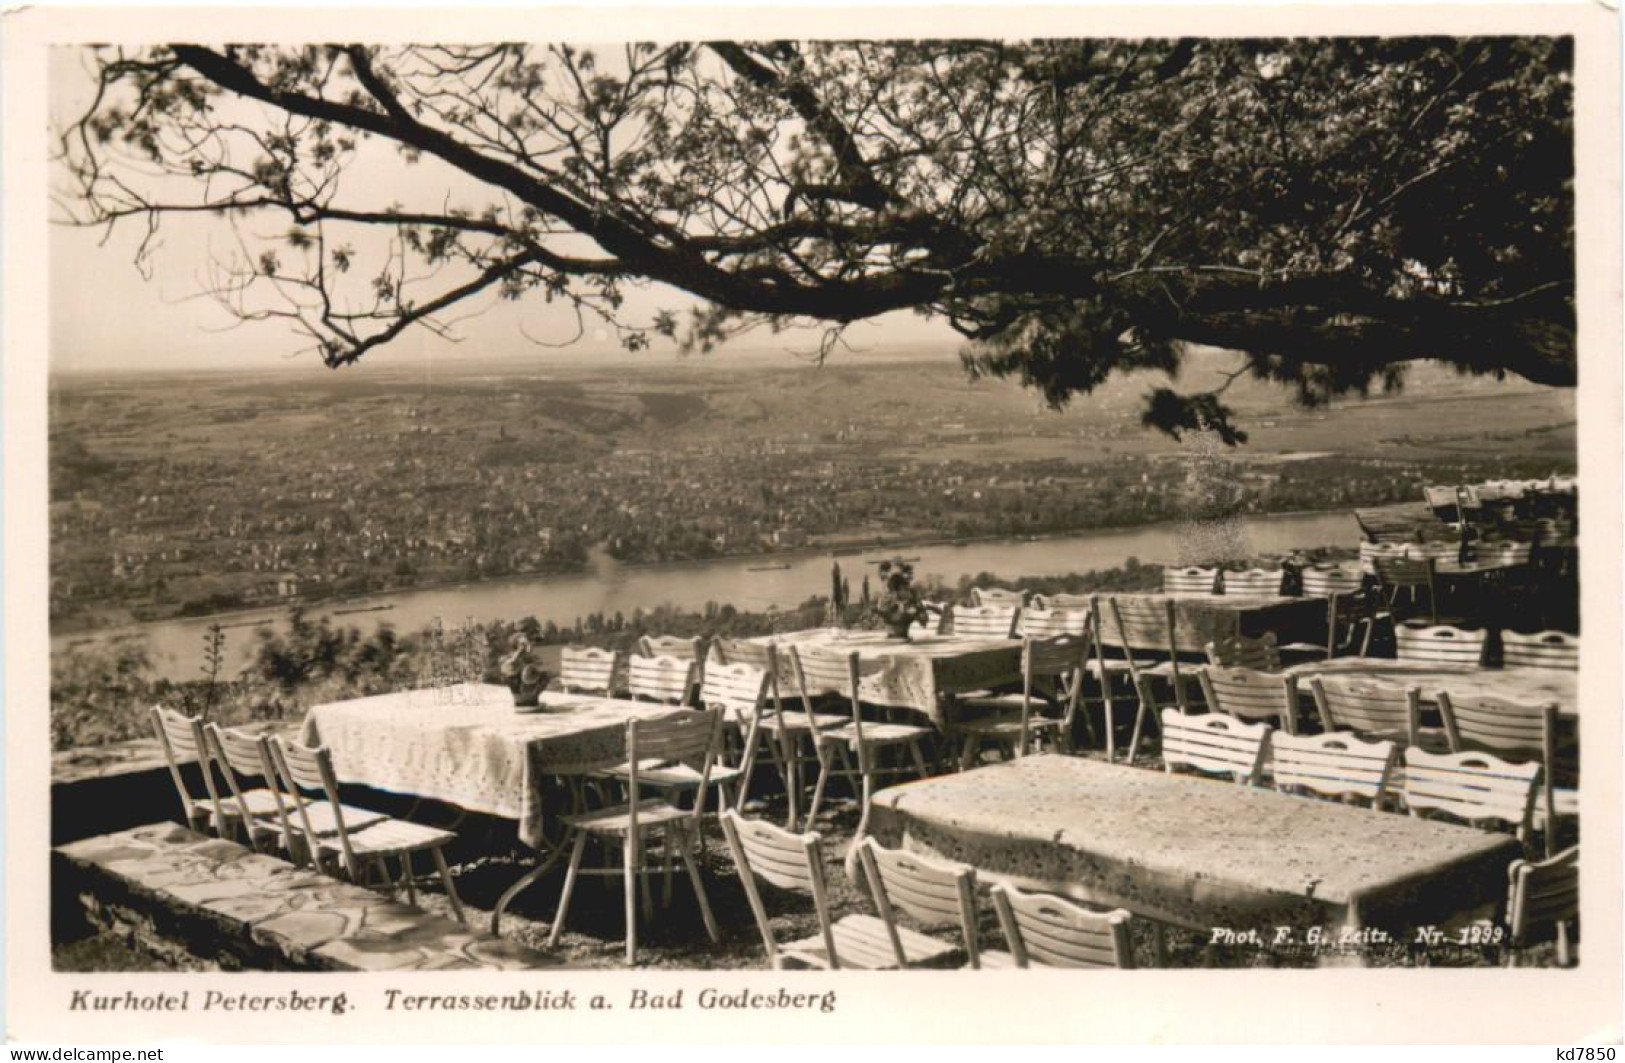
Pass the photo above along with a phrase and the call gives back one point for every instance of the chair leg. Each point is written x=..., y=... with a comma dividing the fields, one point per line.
x=406, y=876
x=451, y=890
x=1139, y=722
x=824, y=768
x=919, y=759
x=629, y=869
x=967, y=754
x=699, y=890
x=569, y=888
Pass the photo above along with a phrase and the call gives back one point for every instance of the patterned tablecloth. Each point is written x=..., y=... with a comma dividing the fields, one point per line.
x=1191, y=851
x=469, y=747
x=1537, y=685
x=914, y=675
x=1203, y=618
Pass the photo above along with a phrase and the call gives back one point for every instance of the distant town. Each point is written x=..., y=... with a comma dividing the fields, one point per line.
x=230, y=493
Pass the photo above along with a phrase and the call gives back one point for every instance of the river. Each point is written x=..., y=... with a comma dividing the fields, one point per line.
x=176, y=646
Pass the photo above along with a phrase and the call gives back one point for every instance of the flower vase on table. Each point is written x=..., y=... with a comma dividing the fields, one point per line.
x=523, y=674
x=899, y=606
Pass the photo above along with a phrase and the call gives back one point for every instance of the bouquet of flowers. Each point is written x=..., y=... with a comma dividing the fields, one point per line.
x=523, y=672
x=899, y=605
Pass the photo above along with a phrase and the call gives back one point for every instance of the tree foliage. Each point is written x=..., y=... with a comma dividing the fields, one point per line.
x=1331, y=208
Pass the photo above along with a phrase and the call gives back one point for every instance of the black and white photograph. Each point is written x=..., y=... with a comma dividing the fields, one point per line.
x=643, y=502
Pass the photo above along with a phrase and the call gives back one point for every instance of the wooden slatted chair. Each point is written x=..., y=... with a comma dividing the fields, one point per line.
x=1523, y=730
x=820, y=672
x=663, y=679
x=1543, y=649
x=302, y=768
x=1247, y=694
x=985, y=621
x=1051, y=673
x=1440, y=644
x=788, y=731
x=688, y=649
x=1478, y=788
x=1255, y=582
x=735, y=690
x=1190, y=580
x=980, y=596
x=935, y=893
x=1139, y=623
x=1372, y=552
x=1053, y=622
x=1045, y=931
x=589, y=670
x=1214, y=744
x=795, y=862
x=1544, y=894
x=1375, y=710
x=1349, y=606
x=1333, y=765
x=681, y=738
x=243, y=756
x=1239, y=651
x=1412, y=575
x=181, y=737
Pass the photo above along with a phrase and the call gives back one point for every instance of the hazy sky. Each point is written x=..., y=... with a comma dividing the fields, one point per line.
x=106, y=315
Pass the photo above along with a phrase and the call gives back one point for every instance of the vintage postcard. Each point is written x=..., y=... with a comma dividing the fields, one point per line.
x=812, y=524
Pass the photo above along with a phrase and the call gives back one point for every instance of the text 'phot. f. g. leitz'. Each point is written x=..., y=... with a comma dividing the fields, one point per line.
x=850, y=504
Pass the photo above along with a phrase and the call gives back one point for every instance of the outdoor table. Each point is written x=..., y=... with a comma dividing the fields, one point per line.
x=1203, y=618
x=468, y=746
x=921, y=675
x=1537, y=685
x=1195, y=852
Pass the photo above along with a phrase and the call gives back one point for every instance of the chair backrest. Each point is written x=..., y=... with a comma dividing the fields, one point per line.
x=1403, y=571
x=935, y=893
x=739, y=690
x=1335, y=579
x=1434, y=550
x=181, y=737
x=1336, y=765
x=1190, y=580
x=243, y=754
x=1500, y=726
x=1506, y=552
x=1440, y=644
x=786, y=860
x=1214, y=743
x=690, y=649
x=1051, y=622
x=1249, y=694
x=663, y=679
x=1239, y=651
x=1258, y=582
x=1142, y=624
x=1471, y=786
x=1062, y=601
x=1543, y=649
x=690, y=738
x=985, y=621
x=1368, y=708
x=742, y=651
x=1046, y=931
x=587, y=670
x=1371, y=553
x=302, y=768
x=996, y=596
x=1543, y=893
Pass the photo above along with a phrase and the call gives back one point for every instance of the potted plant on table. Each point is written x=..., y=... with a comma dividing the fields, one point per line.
x=899, y=605
x=522, y=671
